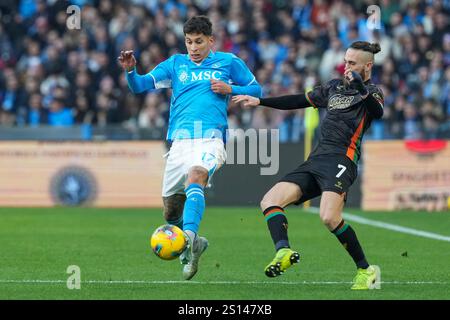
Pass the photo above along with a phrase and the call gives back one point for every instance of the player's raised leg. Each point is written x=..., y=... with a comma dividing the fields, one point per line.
x=173, y=214
x=195, y=200
x=173, y=209
x=192, y=215
x=272, y=204
x=173, y=189
x=331, y=206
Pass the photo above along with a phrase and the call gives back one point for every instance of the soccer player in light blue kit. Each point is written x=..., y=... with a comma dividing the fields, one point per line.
x=202, y=82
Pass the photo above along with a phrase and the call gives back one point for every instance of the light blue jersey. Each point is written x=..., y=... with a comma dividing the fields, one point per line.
x=195, y=110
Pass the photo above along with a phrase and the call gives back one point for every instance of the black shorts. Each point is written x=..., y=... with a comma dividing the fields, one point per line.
x=323, y=173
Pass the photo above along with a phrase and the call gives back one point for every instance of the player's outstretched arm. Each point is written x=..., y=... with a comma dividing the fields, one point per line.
x=137, y=83
x=246, y=100
x=127, y=60
x=289, y=102
x=244, y=81
x=253, y=89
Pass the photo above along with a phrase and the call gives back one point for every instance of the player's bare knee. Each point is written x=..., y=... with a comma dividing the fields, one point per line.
x=197, y=175
x=281, y=195
x=329, y=220
x=264, y=204
x=269, y=201
x=173, y=206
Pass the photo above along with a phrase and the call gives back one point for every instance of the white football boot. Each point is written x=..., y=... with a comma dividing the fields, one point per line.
x=192, y=255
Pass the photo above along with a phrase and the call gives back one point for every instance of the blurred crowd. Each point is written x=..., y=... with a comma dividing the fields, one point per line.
x=53, y=75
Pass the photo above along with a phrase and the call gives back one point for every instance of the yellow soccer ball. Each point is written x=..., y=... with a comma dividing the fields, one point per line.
x=168, y=242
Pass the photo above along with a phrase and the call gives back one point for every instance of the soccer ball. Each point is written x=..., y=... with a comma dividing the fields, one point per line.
x=168, y=242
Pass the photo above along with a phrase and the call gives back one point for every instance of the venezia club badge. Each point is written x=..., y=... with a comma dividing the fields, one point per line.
x=73, y=186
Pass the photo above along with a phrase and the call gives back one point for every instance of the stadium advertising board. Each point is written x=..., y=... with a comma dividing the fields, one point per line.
x=99, y=174
x=406, y=175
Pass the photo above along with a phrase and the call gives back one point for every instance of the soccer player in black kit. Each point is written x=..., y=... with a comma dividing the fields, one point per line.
x=331, y=168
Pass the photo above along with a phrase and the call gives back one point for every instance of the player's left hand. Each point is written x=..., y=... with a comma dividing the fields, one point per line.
x=356, y=82
x=247, y=101
x=220, y=87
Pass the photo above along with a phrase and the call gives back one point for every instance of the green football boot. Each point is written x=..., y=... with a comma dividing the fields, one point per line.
x=367, y=279
x=284, y=258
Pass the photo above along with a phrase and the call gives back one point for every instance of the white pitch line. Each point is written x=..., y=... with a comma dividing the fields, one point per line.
x=388, y=226
x=37, y=281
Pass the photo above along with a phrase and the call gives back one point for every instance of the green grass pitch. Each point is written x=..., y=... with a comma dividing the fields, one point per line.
x=111, y=247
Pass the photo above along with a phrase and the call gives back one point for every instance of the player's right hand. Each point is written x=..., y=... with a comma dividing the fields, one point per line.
x=247, y=101
x=127, y=60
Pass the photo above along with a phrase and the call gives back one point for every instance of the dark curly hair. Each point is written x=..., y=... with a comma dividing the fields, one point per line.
x=198, y=24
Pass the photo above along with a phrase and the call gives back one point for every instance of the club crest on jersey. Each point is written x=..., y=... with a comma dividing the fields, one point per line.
x=340, y=102
x=183, y=74
x=378, y=97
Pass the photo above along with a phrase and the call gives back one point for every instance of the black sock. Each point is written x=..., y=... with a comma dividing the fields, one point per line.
x=347, y=237
x=278, y=225
x=177, y=222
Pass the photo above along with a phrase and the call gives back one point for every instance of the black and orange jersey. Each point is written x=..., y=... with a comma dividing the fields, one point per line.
x=347, y=119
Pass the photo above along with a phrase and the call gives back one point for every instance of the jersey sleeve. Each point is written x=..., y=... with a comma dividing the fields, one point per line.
x=289, y=102
x=162, y=73
x=375, y=102
x=243, y=80
x=240, y=73
x=318, y=96
x=159, y=77
x=377, y=93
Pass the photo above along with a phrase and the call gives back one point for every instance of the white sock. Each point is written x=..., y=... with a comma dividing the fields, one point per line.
x=191, y=235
